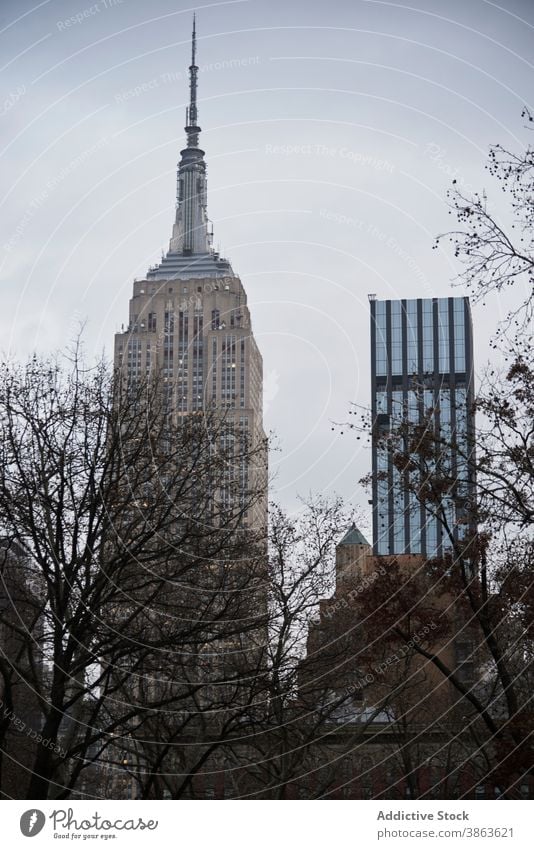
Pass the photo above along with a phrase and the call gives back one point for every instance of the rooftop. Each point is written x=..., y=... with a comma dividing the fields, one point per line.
x=353, y=537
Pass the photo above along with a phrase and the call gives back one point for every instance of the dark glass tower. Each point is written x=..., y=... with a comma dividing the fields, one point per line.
x=421, y=364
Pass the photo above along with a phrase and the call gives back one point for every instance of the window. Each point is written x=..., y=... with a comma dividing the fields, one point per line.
x=428, y=336
x=228, y=370
x=380, y=343
x=431, y=536
x=459, y=334
x=382, y=493
x=396, y=338
x=381, y=401
x=198, y=361
x=134, y=358
x=213, y=369
x=168, y=325
x=411, y=337
x=242, y=374
x=183, y=360
x=443, y=335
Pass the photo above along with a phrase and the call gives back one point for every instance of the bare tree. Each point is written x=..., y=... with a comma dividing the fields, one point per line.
x=498, y=253
x=132, y=523
x=298, y=739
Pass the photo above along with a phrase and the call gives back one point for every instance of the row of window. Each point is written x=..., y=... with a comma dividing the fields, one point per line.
x=403, y=526
x=406, y=329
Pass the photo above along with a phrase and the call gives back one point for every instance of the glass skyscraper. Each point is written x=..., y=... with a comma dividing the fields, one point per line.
x=421, y=366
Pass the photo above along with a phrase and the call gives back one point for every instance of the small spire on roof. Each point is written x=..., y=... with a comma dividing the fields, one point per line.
x=353, y=537
x=191, y=115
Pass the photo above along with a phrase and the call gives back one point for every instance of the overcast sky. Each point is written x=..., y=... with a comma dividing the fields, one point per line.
x=332, y=131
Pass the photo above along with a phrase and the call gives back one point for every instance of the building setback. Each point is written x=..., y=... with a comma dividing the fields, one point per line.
x=421, y=363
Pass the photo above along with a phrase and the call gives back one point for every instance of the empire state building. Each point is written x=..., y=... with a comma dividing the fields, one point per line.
x=188, y=319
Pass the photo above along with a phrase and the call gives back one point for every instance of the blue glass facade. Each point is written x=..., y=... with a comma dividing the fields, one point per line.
x=421, y=363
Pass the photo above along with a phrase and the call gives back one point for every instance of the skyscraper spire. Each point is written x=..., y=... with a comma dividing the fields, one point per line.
x=190, y=249
x=190, y=232
x=191, y=116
